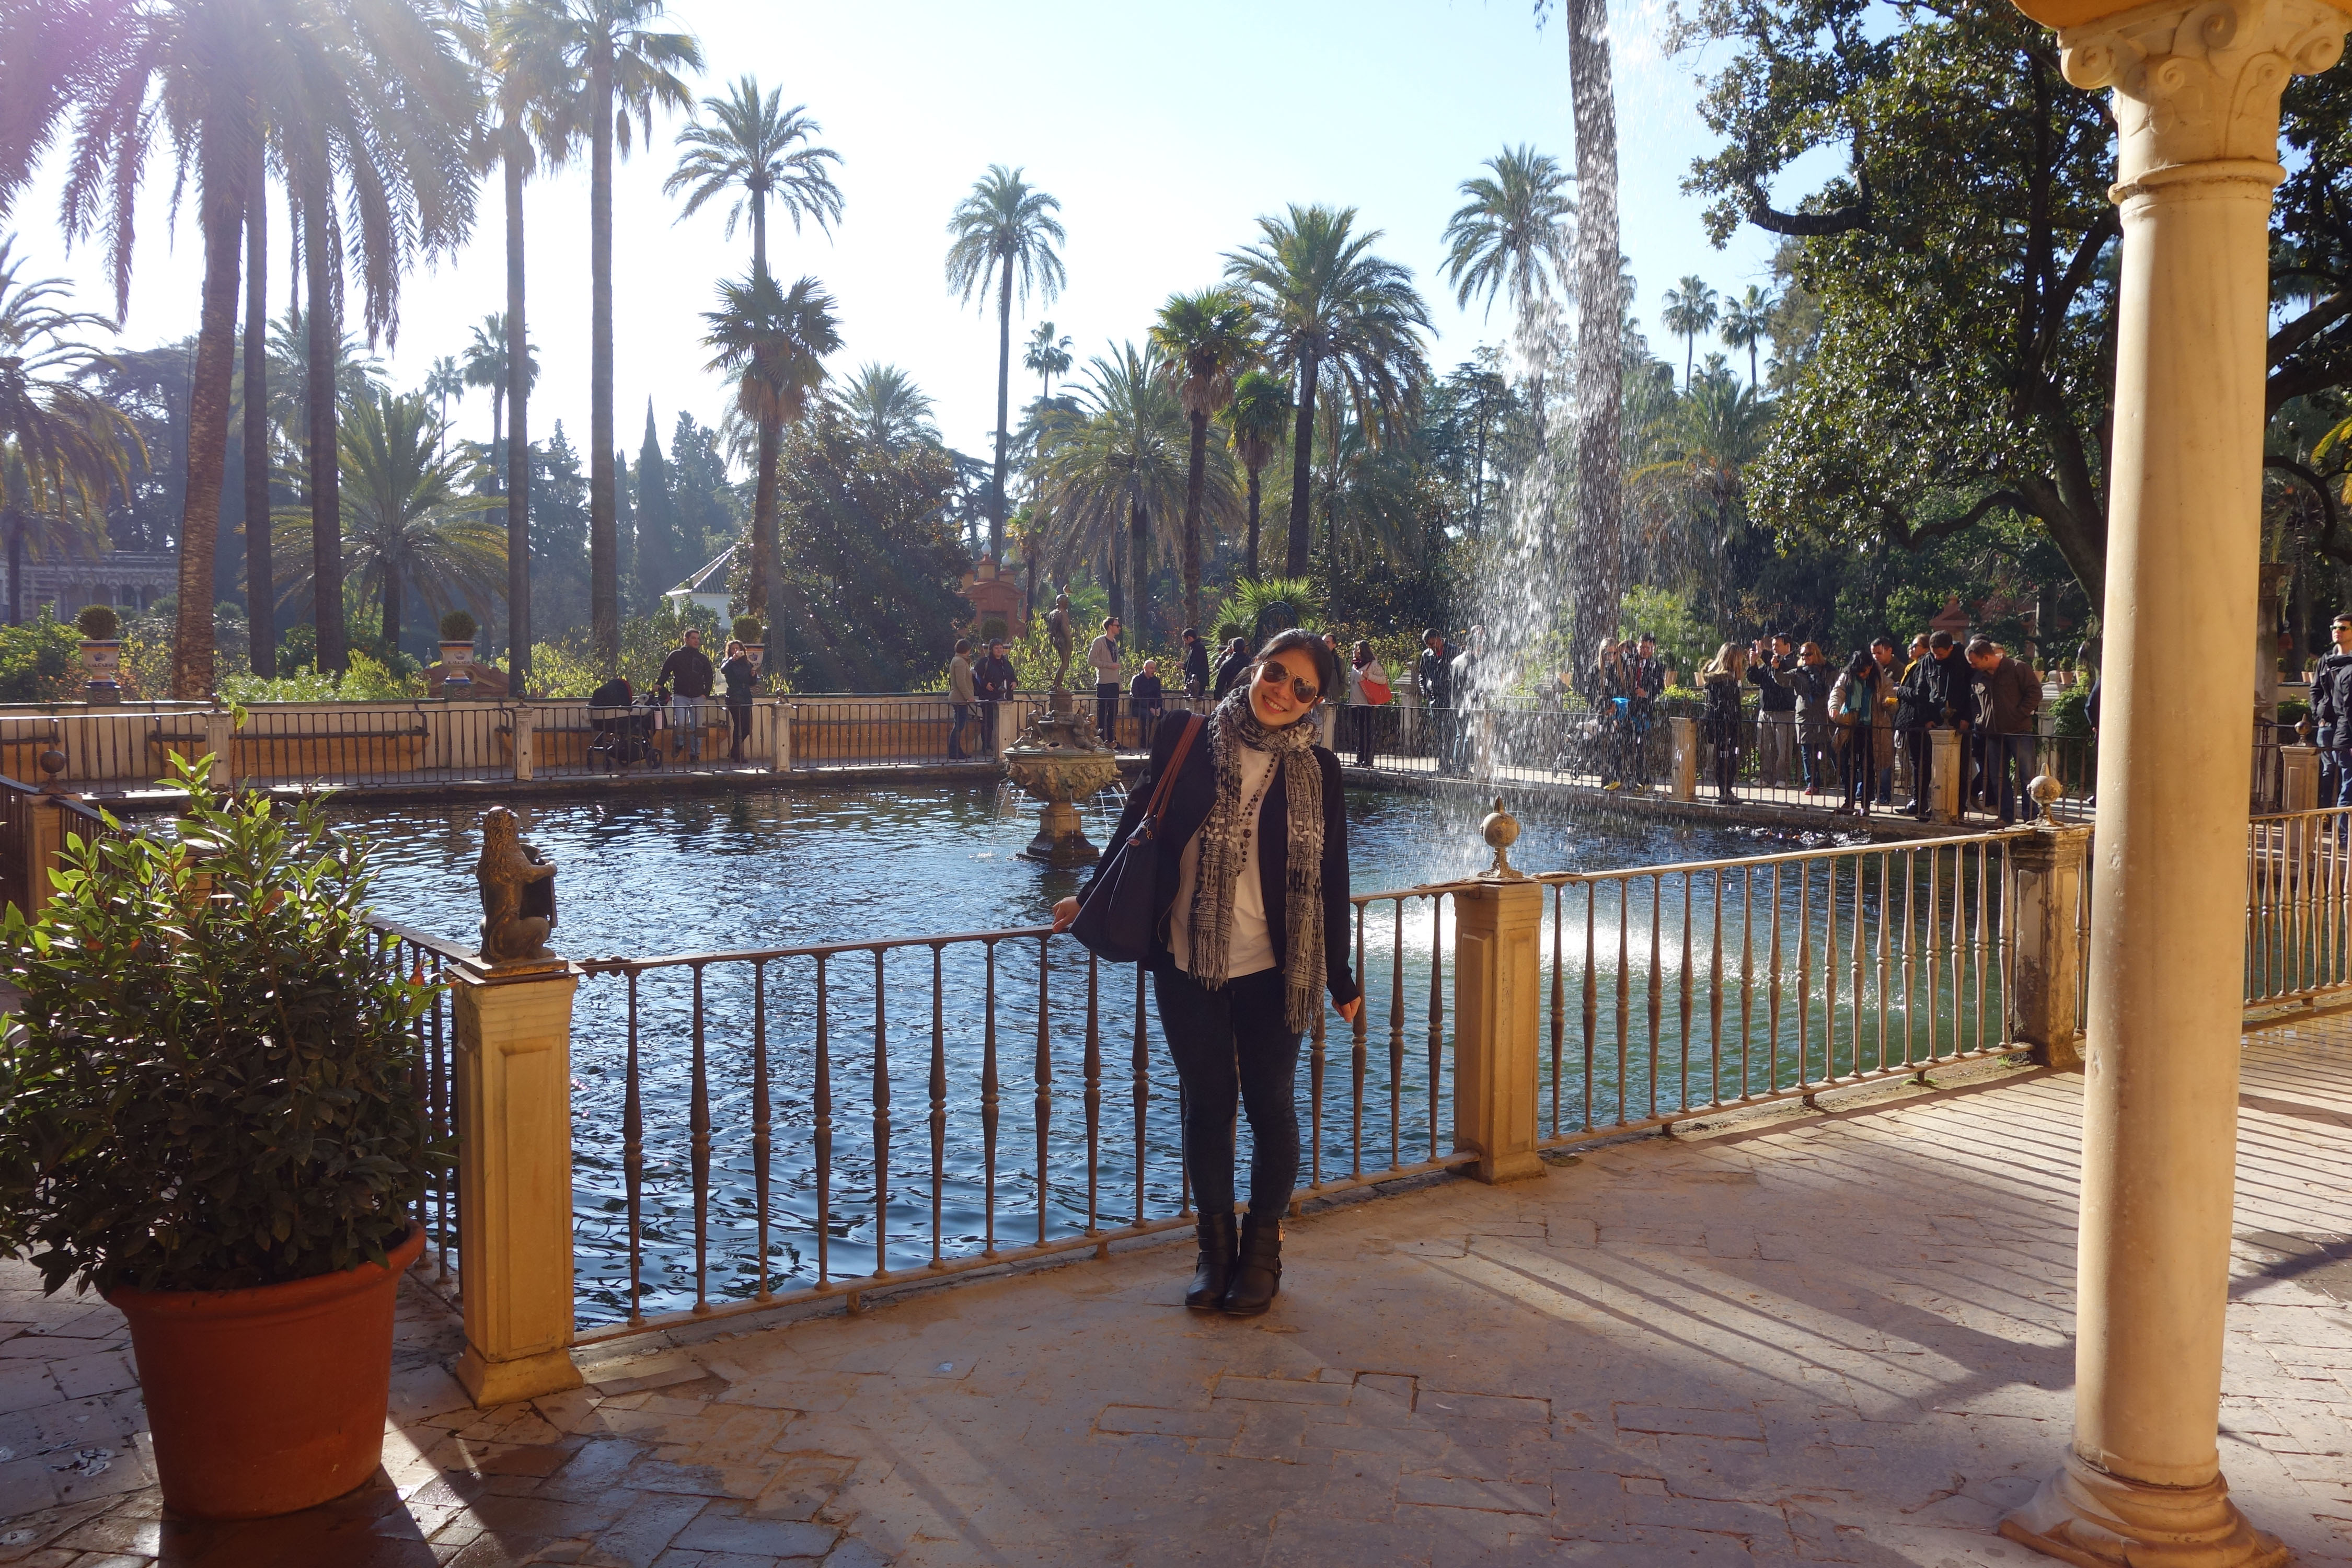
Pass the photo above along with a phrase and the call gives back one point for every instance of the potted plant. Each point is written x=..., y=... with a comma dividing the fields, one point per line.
x=457, y=630
x=208, y=1113
x=101, y=652
x=754, y=638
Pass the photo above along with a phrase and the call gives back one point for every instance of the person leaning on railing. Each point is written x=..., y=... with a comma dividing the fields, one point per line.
x=1247, y=944
x=687, y=675
x=2331, y=710
x=1721, y=680
x=741, y=680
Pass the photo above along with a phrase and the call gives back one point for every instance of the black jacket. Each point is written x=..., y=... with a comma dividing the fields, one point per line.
x=1775, y=691
x=2331, y=693
x=992, y=679
x=1956, y=685
x=687, y=671
x=1189, y=800
x=1433, y=673
x=1229, y=670
x=1196, y=667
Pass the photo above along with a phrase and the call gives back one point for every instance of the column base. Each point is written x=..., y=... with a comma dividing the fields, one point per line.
x=2085, y=1516
x=489, y=1383
x=1521, y=1166
x=2065, y=1055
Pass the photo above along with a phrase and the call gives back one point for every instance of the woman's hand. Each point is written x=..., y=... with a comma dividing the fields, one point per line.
x=1349, y=1010
x=1064, y=913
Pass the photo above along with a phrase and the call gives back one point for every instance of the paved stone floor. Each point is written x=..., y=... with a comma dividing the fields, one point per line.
x=1838, y=1338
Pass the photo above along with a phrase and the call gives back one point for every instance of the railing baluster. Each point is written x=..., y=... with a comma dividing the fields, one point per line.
x=1935, y=943
x=1625, y=995
x=1094, y=1103
x=1910, y=953
x=1654, y=989
x=820, y=1128
x=1044, y=1069
x=1396, y=1036
x=1358, y=1034
x=939, y=1086
x=1983, y=905
x=761, y=1122
x=1746, y=974
x=1715, y=995
x=1682, y=1034
x=1559, y=998
x=1436, y=1009
x=1592, y=997
x=633, y=1164
x=1830, y=972
x=1315, y=1098
x=1772, y=986
x=881, y=1121
x=988, y=1093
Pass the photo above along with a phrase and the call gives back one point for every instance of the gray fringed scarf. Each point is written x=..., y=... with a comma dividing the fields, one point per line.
x=1231, y=727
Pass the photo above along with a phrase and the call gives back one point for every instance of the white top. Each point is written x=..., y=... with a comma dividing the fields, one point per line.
x=1373, y=671
x=1249, y=946
x=1103, y=654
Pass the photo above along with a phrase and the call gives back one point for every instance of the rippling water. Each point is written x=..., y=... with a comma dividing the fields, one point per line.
x=641, y=877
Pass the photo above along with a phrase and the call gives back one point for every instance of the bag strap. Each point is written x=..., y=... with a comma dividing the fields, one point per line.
x=1175, y=765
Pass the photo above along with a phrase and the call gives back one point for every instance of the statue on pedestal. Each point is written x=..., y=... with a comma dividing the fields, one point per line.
x=518, y=893
x=1057, y=632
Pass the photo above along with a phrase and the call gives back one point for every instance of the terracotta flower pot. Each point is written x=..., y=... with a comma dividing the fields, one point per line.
x=267, y=1400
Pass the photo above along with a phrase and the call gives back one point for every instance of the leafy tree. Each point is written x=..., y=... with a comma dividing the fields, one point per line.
x=872, y=568
x=1261, y=418
x=752, y=144
x=1748, y=321
x=773, y=343
x=62, y=448
x=375, y=103
x=885, y=407
x=657, y=553
x=611, y=50
x=559, y=536
x=1205, y=341
x=708, y=506
x=1691, y=308
x=1006, y=227
x=1332, y=310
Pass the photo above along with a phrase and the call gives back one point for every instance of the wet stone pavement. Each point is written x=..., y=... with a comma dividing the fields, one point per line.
x=1837, y=1337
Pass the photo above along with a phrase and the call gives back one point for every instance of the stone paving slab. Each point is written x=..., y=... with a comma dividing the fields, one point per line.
x=1844, y=1338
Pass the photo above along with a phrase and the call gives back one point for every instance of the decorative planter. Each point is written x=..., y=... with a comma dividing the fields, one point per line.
x=755, y=652
x=101, y=662
x=457, y=655
x=267, y=1400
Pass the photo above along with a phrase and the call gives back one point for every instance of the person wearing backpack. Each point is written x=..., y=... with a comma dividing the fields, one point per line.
x=1854, y=704
x=1368, y=692
x=1250, y=928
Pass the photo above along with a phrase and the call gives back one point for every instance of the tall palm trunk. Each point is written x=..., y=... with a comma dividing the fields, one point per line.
x=221, y=164
x=1112, y=580
x=762, y=586
x=1249, y=559
x=1195, y=477
x=498, y=432
x=325, y=336
x=1599, y=382
x=391, y=604
x=260, y=578
x=518, y=436
x=14, y=521
x=758, y=233
x=1302, y=470
x=1139, y=551
x=604, y=524
x=1004, y=402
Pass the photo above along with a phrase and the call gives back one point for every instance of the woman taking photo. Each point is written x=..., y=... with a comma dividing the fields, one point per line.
x=1720, y=727
x=1253, y=927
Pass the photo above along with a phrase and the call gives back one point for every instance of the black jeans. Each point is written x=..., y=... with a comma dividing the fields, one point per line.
x=1230, y=1048
x=739, y=718
x=1106, y=712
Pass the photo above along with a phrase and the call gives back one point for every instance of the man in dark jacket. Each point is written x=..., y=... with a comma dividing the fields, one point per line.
x=1196, y=663
x=1232, y=665
x=1772, y=673
x=688, y=675
x=2008, y=694
x=2331, y=710
x=1956, y=689
x=1919, y=706
x=1645, y=682
x=992, y=681
x=1433, y=677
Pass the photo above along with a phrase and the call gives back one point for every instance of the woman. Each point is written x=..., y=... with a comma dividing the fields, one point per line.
x=1612, y=698
x=1368, y=689
x=1854, y=704
x=740, y=680
x=1721, y=680
x=1253, y=927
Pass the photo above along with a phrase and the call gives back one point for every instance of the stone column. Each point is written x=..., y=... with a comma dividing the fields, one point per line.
x=781, y=730
x=2045, y=1007
x=2196, y=100
x=1686, y=760
x=522, y=720
x=220, y=741
x=1497, y=979
x=514, y=1179
x=1944, y=774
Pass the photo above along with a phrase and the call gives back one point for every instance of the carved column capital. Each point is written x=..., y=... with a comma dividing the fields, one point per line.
x=2197, y=81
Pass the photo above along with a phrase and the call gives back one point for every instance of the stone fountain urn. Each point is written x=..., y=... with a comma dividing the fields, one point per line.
x=1057, y=760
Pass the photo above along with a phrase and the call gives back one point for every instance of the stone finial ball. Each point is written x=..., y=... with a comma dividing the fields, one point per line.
x=1500, y=828
x=53, y=762
x=2046, y=791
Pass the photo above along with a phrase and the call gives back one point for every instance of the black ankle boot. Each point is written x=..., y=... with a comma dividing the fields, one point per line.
x=1215, y=1270
x=1258, y=1276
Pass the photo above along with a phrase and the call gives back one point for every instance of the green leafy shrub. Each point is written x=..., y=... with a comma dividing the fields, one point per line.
x=748, y=630
x=99, y=623
x=457, y=626
x=40, y=662
x=210, y=1083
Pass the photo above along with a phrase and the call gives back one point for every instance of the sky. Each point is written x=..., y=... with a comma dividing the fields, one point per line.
x=1165, y=133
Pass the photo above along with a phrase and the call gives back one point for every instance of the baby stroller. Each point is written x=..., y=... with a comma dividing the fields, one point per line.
x=623, y=730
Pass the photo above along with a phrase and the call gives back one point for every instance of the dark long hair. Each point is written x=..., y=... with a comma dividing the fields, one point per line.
x=1297, y=639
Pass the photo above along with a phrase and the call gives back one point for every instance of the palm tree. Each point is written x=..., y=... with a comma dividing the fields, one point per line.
x=627, y=67
x=1048, y=356
x=1690, y=311
x=1123, y=454
x=62, y=448
x=406, y=521
x=1006, y=227
x=1260, y=417
x=260, y=596
x=536, y=94
x=773, y=343
x=486, y=364
x=757, y=145
x=1332, y=308
x=887, y=407
x=1206, y=339
x=1517, y=231
x=445, y=381
x=1700, y=447
x=375, y=103
x=1748, y=321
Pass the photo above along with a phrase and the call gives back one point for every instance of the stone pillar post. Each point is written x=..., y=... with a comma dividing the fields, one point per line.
x=1686, y=760
x=514, y=1179
x=1497, y=979
x=220, y=741
x=781, y=732
x=2045, y=1006
x=1944, y=775
x=523, y=721
x=2196, y=101
x=2299, y=767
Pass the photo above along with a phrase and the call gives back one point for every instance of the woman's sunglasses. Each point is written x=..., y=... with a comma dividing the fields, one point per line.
x=1275, y=674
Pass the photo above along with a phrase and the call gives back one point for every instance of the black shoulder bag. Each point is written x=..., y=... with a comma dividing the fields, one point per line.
x=1122, y=906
